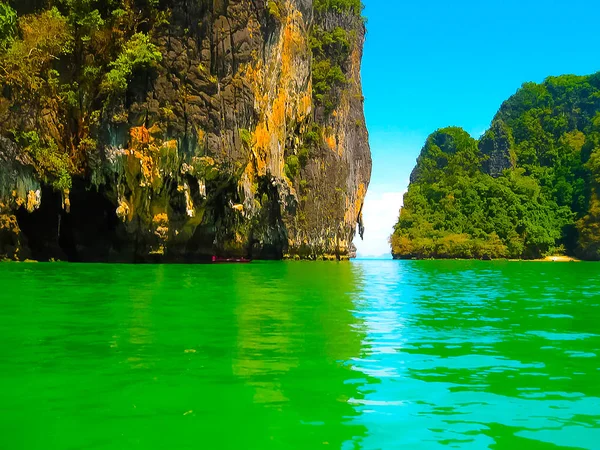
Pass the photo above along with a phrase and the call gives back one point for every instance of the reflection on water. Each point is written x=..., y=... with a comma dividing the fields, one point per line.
x=369, y=355
x=158, y=357
x=480, y=355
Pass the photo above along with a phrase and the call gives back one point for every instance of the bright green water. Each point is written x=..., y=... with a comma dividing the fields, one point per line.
x=370, y=355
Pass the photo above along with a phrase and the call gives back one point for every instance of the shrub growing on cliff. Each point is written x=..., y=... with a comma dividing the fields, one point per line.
x=331, y=50
x=43, y=39
x=246, y=137
x=292, y=167
x=139, y=52
x=303, y=156
x=274, y=10
x=48, y=160
x=8, y=25
x=340, y=6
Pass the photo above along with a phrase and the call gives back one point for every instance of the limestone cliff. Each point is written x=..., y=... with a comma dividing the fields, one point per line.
x=177, y=130
x=495, y=147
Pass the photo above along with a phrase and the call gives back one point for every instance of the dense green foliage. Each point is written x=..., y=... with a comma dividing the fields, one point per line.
x=8, y=25
x=528, y=188
x=52, y=164
x=138, y=52
x=331, y=51
x=353, y=6
x=65, y=68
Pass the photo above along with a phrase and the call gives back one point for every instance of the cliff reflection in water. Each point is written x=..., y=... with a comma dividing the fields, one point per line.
x=296, y=337
x=256, y=356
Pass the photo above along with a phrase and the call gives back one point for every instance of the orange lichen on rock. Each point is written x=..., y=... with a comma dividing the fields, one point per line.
x=262, y=143
x=282, y=105
x=171, y=145
x=144, y=154
x=279, y=112
x=360, y=197
x=262, y=137
x=331, y=142
x=305, y=105
x=354, y=211
x=293, y=40
x=139, y=135
x=160, y=219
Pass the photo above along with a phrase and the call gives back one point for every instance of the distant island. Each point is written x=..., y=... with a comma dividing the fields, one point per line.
x=527, y=189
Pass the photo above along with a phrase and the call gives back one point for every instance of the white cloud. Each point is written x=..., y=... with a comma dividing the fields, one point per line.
x=380, y=214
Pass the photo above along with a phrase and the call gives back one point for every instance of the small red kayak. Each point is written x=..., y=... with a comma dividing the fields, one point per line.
x=216, y=259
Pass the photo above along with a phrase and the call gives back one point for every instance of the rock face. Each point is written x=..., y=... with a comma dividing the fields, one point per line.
x=218, y=144
x=495, y=146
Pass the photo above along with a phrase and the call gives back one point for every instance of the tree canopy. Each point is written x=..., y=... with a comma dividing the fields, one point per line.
x=529, y=187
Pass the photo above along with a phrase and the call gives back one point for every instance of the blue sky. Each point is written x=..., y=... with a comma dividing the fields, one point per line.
x=431, y=64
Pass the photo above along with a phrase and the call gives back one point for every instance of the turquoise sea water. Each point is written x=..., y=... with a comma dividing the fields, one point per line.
x=360, y=355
